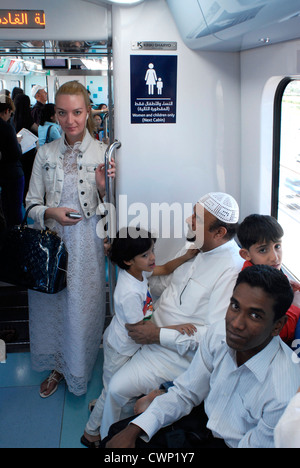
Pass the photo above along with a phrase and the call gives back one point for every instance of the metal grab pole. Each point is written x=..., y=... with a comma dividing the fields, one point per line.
x=110, y=199
x=105, y=126
x=109, y=183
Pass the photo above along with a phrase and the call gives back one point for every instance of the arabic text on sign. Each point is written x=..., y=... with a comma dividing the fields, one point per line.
x=29, y=19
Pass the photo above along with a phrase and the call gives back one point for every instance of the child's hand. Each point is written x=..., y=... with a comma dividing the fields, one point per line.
x=106, y=246
x=191, y=253
x=185, y=329
x=295, y=286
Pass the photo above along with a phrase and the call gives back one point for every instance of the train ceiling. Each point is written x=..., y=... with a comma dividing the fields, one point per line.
x=235, y=25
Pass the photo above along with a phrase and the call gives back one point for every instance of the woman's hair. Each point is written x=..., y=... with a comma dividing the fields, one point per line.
x=6, y=103
x=15, y=92
x=22, y=115
x=129, y=243
x=273, y=282
x=48, y=111
x=74, y=87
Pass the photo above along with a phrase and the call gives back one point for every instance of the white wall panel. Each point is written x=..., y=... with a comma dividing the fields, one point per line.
x=201, y=152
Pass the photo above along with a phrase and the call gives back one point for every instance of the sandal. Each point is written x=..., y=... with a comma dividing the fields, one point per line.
x=90, y=445
x=54, y=377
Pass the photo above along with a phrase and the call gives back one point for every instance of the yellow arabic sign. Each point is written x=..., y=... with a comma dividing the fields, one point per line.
x=23, y=19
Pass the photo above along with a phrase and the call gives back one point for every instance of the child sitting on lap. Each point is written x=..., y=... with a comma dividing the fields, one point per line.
x=133, y=252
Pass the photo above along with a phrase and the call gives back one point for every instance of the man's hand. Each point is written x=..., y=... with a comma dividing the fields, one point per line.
x=125, y=438
x=144, y=333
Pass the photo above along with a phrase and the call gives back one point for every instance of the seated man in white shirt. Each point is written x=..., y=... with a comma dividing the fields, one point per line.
x=287, y=431
x=245, y=375
x=197, y=292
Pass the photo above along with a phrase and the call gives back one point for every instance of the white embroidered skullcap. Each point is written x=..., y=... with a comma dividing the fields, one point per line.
x=35, y=89
x=222, y=206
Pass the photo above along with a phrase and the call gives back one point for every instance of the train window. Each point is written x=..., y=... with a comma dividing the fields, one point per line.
x=15, y=84
x=286, y=170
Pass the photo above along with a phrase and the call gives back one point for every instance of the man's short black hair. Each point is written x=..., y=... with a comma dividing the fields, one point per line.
x=274, y=282
x=230, y=228
x=129, y=243
x=258, y=228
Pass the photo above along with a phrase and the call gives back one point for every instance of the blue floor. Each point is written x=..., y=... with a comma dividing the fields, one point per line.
x=28, y=421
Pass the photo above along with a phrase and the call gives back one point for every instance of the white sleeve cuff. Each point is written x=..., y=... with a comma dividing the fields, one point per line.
x=167, y=337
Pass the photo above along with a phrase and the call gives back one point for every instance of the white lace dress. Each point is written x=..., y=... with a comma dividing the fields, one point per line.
x=66, y=328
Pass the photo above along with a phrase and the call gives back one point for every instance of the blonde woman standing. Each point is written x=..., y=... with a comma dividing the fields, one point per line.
x=68, y=177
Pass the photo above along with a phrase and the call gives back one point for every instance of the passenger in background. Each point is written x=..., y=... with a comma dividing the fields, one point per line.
x=68, y=177
x=22, y=115
x=41, y=96
x=5, y=92
x=49, y=130
x=15, y=92
x=260, y=237
x=23, y=119
x=100, y=108
x=133, y=252
x=98, y=132
x=11, y=171
x=238, y=384
x=197, y=292
x=100, y=115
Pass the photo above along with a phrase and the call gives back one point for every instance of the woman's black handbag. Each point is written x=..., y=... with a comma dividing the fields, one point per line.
x=32, y=258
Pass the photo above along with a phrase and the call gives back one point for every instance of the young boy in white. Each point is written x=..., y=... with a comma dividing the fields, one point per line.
x=134, y=255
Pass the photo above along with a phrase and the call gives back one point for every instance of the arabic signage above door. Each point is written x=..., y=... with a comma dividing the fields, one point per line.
x=22, y=19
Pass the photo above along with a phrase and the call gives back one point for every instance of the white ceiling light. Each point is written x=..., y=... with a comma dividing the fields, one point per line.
x=125, y=2
x=92, y=64
x=115, y=2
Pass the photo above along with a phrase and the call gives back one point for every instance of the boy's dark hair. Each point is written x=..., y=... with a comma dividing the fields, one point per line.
x=258, y=228
x=129, y=243
x=274, y=282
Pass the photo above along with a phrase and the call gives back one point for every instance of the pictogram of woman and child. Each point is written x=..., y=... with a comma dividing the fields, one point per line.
x=152, y=80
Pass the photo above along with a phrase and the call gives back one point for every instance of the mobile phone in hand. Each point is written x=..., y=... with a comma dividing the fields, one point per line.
x=74, y=215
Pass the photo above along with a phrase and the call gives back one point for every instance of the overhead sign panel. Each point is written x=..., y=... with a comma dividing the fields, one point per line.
x=22, y=19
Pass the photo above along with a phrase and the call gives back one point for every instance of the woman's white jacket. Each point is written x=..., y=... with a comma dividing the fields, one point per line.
x=47, y=177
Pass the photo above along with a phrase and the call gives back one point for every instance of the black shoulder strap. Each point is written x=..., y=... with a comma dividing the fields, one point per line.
x=48, y=133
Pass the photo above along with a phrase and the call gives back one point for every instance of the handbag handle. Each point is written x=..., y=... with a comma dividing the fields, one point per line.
x=24, y=222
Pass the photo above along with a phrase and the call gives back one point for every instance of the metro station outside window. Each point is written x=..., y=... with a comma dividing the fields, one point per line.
x=286, y=172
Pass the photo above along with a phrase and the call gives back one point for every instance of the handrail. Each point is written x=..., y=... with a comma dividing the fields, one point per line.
x=109, y=182
x=110, y=198
x=105, y=125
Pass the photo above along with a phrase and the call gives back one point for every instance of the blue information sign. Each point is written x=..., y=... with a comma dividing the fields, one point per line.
x=153, y=89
